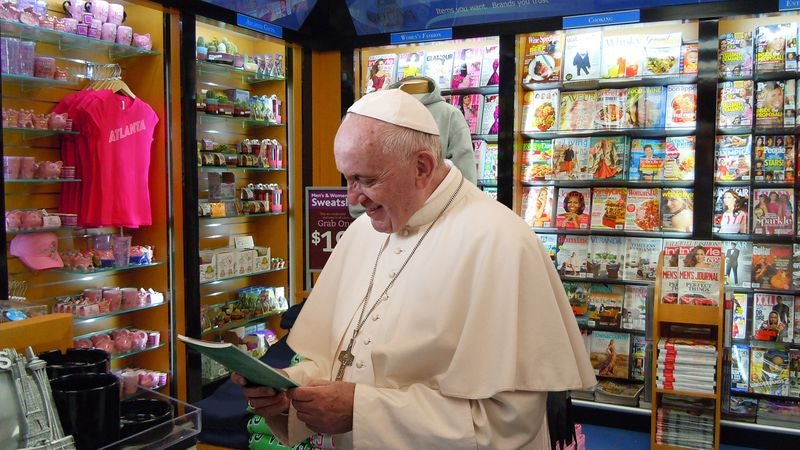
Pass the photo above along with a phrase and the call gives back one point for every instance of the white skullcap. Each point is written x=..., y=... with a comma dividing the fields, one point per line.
x=398, y=108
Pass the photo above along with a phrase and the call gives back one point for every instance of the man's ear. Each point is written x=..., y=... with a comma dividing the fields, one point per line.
x=425, y=165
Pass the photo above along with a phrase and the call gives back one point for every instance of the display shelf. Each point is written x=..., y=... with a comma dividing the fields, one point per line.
x=39, y=230
x=752, y=290
x=611, y=183
x=608, y=281
x=610, y=407
x=242, y=168
x=26, y=82
x=632, y=132
x=761, y=75
x=119, y=356
x=758, y=427
x=239, y=216
x=483, y=90
x=599, y=83
x=626, y=233
x=758, y=130
x=120, y=312
x=35, y=133
x=108, y=270
x=241, y=323
x=691, y=314
x=244, y=122
x=251, y=274
x=686, y=393
x=210, y=68
x=71, y=41
x=757, y=238
x=490, y=138
x=43, y=181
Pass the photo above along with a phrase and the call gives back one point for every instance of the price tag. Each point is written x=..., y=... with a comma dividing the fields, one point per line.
x=328, y=217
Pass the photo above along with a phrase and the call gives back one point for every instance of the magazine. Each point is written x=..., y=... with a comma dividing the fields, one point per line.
x=770, y=47
x=470, y=105
x=609, y=353
x=681, y=106
x=739, y=316
x=611, y=108
x=735, y=104
x=733, y=158
x=699, y=280
x=738, y=263
x=796, y=268
x=606, y=256
x=634, y=308
x=772, y=266
x=607, y=157
x=642, y=211
x=537, y=206
x=740, y=368
x=488, y=163
x=769, y=103
x=573, y=208
x=647, y=159
x=638, y=356
x=641, y=258
x=572, y=254
x=789, y=104
x=578, y=295
x=608, y=208
x=773, y=211
x=380, y=72
x=653, y=106
x=439, y=67
x=731, y=209
x=769, y=371
x=677, y=210
x=663, y=54
x=571, y=159
x=771, y=155
x=410, y=64
x=670, y=273
x=479, y=148
x=536, y=160
x=679, y=158
x=736, y=54
x=490, y=117
x=690, y=57
x=490, y=67
x=577, y=110
x=540, y=110
x=794, y=372
x=623, y=56
x=467, y=68
x=542, y=61
x=605, y=304
x=582, y=55
x=773, y=317
x=550, y=243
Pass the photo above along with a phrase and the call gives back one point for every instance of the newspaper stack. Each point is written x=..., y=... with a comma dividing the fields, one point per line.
x=686, y=365
x=685, y=422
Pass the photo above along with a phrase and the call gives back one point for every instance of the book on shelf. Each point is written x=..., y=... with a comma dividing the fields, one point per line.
x=490, y=67
x=540, y=110
x=736, y=54
x=439, y=67
x=732, y=157
x=381, y=71
x=410, y=64
x=607, y=157
x=735, y=104
x=677, y=209
x=647, y=159
x=642, y=209
x=608, y=208
x=730, y=210
x=662, y=54
x=769, y=371
x=641, y=258
x=740, y=368
x=639, y=357
x=577, y=110
x=771, y=266
x=536, y=160
x=689, y=345
x=773, y=211
x=618, y=393
x=582, y=55
x=578, y=295
x=769, y=103
x=681, y=106
x=605, y=305
x=634, y=308
x=490, y=123
x=573, y=208
x=679, y=158
x=609, y=354
x=773, y=317
x=606, y=256
x=537, y=206
x=687, y=386
x=467, y=68
x=572, y=254
x=690, y=57
x=623, y=56
x=542, y=60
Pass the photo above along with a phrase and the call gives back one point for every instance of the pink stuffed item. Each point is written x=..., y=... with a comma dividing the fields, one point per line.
x=123, y=344
x=40, y=121
x=57, y=121
x=31, y=220
x=107, y=346
x=13, y=220
x=25, y=118
x=49, y=170
x=142, y=41
x=119, y=332
x=83, y=343
x=98, y=338
x=10, y=118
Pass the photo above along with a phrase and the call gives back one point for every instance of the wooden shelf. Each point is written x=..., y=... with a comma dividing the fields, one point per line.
x=686, y=393
x=28, y=332
x=693, y=314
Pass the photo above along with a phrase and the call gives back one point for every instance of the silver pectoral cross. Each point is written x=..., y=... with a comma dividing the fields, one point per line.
x=346, y=359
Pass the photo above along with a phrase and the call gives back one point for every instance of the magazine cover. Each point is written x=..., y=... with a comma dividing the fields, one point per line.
x=772, y=266
x=740, y=368
x=681, y=106
x=641, y=258
x=770, y=47
x=789, y=104
x=769, y=371
x=690, y=57
x=608, y=208
x=573, y=250
x=653, y=106
x=380, y=72
x=773, y=211
x=611, y=108
x=578, y=295
x=732, y=158
x=638, y=357
x=739, y=316
x=490, y=118
x=410, y=64
x=536, y=160
x=573, y=208
x=663, y=54
x=731, y=209
x=736, y=54
x=607, y=157
x=542, y=61
x=794, y=372
x=670, y=272
x=550, y=243
x=642, y=212
x=470, y=106
x=490, y=75
x=735, y=104
x=540, y=110
x=479, y=148
x=606, y=256
x=789, y=144
x=537, y=206
x=769, y=103
x=771, y=155
x=790, y=31
x=679, y=158
x=773, y=317
x=605, y=304
x=582, y=55
x=647, y=159
x=738, y=263
x=623, y=56
x=577, y=110
x=796, y=272
x=488, y=165
x=609, y=353
x=467, y=68
x=634, y=308
x=439, y=66
x=571, y=158
x=699, y=280
x=677, y=210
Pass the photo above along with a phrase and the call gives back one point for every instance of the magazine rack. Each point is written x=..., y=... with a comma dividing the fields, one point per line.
x=693, y=315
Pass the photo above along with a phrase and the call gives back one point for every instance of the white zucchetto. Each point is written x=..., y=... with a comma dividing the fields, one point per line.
x=398, y=108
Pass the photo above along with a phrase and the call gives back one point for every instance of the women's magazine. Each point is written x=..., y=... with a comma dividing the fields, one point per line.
x=679, y=160
x=573, y=208
x=609, y=353
x=642, y=209
x=736, y=54
x=439, y=67
x=608, y=208
x=607, y=157
x=582, y=56
x=577, y=110
x=773, y=211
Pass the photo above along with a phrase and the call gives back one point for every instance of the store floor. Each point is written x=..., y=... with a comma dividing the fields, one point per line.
x=607, y=438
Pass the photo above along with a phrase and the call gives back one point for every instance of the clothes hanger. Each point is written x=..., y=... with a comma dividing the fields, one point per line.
x=112, y=80
x=414, y=86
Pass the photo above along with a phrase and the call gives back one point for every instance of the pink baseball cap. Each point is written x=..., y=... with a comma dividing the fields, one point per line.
x=38, y=251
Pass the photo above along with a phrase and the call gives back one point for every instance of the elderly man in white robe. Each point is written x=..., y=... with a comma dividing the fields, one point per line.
x=439, y=320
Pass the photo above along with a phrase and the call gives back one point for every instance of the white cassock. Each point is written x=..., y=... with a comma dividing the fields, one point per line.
x=475, y=330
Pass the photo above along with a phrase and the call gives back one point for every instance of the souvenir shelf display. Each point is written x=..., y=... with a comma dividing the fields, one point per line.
x=243, y=176
x=42, y=64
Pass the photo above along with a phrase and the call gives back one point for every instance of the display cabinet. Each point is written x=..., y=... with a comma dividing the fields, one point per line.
x=38, y=172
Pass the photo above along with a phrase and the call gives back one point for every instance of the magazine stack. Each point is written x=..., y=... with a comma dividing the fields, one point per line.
x=683, y=421
x=618, y=393
x=687, y=365
x=779, y=413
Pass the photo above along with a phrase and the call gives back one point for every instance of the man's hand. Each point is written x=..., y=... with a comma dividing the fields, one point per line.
x=325, y=406
x=265, y=401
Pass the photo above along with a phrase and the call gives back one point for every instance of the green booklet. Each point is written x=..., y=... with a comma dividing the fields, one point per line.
x=240, y=362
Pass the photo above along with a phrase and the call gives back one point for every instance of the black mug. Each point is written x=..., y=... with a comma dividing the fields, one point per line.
x=75, y=360
x=88, y=406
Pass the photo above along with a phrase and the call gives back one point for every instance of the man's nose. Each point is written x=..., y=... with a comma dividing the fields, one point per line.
x=354, y=194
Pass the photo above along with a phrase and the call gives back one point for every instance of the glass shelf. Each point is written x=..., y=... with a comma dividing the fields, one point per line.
x=646, y=80
x=40, y=230
x=244, y=122
x=135, y=352
x=612, y=183
x=491, y=138
x=119, y=312
x=209, y=68
x=484, y=90
x=239, y=216
x=632, y=132
x=26, y=82
x=240, y=323
x=44, y=181
x=106, y=270
x=71, y=41
x=241, y=276
x=243, y=168
x=760, y=75
x=35, y=133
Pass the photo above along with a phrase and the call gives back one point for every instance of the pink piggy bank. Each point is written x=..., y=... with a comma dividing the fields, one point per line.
x=139, y=340
x=142, y=41
x=13, y=220
x=10, y=118
x=116, y=334
x=83, y=343
x=31, y=220
x=107, y=346
x=82, y=262
x=49, y=170
x=57, y=121
x=25, y=118
x=123, y=344
x=98, y=338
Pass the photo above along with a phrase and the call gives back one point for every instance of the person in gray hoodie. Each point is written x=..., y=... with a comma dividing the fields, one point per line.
x=453, y=129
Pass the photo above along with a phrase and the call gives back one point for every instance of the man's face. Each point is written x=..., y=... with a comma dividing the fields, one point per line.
x=385, y=186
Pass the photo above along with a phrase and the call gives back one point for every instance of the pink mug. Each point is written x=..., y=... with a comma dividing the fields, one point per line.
x=124, y=35
x=116, y=13
x=98, y=8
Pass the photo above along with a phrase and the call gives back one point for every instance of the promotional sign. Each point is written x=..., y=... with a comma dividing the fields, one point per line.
x=287, y=14
x=327, y=217
x=788, y=5
x=442, y=34
x=259, y=25
x=593, y=20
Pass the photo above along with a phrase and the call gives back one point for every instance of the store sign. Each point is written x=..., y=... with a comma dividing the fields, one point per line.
x=788, y=5
x=327, y=217
x=596, y=20
x=442, y=34
x=259, y=25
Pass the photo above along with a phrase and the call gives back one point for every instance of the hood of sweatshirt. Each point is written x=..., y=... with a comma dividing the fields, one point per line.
x=434, y=94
